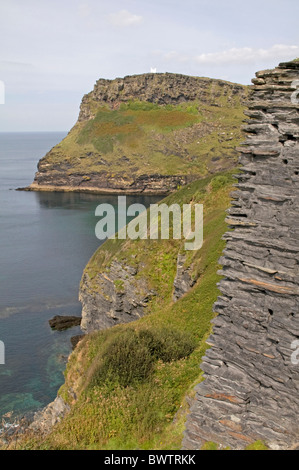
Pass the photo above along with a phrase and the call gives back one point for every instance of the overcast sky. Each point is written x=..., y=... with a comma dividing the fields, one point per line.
x=52, y=52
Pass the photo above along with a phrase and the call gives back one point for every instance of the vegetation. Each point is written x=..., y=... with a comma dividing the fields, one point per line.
x=128, y=357
x=141, y=137
x=257, y=445
x=128, y=385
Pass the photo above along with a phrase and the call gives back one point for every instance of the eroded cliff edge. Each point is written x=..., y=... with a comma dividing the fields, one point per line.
x=251, y=384
x=149, y=133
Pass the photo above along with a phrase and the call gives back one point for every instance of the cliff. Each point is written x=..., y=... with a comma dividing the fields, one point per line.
x=251, y=384
x=146, y=312
x=148, y=133
x=159, y=320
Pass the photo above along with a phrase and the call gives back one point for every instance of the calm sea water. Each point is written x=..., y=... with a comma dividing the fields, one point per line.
x=46, y=239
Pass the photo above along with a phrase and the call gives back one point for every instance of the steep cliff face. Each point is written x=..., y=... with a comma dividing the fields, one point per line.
x=116, y=297
x=161, y=89
x=148, y=133
x=120, y=294
x=126, y=279
x=251, y=381
x=171, y=293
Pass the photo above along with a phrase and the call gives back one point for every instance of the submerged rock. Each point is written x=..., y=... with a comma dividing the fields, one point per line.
x=60, y=322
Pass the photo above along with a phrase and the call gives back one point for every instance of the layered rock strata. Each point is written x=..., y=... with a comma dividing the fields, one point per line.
x=160, y=88
x=250, y=389
x=102, y=183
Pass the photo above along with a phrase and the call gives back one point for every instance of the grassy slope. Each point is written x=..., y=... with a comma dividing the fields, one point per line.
x=145, y=138
x=148, y=413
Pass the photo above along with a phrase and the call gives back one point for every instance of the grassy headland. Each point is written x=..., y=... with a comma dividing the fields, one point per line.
x=147, y=132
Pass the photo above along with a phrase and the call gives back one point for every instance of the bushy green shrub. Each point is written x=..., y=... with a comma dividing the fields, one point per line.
x=129, y=356
x=166, y=344
x=125, y=360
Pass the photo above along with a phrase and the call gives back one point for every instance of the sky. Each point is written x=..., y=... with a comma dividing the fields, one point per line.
x=52, y=52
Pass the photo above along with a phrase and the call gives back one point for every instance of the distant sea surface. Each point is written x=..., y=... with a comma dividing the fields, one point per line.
x=46, y=239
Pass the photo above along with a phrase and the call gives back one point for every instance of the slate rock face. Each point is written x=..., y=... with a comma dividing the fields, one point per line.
x=118, y=297
x=250, y=389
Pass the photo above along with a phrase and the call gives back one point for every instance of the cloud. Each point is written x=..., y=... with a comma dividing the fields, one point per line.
x=84, y=10
x=10, y=66
x=235, y=57
x=248, y=55
x=124, y=18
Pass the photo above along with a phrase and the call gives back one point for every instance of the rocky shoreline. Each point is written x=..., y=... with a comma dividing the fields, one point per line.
x=156, y=185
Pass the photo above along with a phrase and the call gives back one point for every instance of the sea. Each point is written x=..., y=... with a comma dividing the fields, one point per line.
x=46, y=240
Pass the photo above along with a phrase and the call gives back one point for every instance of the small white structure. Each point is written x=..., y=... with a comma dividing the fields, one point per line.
x=2, y=92
x=2, y=353
x=153, y=70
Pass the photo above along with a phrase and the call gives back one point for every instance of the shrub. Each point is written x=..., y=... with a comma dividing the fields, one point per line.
x=129, y=356
x=125, y=360
x=168, y=345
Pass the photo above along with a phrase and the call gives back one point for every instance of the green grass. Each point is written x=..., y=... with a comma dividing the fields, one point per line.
x=111, y=128
x=190, y=138
x=257, y=445
x=140, y=402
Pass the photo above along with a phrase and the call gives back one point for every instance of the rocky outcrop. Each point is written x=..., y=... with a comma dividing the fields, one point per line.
x=63, y=322
x=52, y=414
x=102, y=183
x=116, y=297
x=183, y=280
x=250, y=389
x=159, y=88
